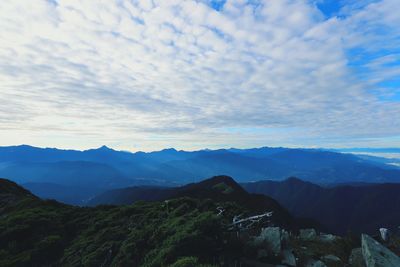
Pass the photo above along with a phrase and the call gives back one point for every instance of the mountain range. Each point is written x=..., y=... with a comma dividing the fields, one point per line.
x=80, y=175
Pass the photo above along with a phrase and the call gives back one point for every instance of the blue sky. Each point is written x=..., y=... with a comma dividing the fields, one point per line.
x=329, y=7
x=150, y=74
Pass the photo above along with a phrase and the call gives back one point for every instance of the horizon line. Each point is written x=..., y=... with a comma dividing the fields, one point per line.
x=345, y=149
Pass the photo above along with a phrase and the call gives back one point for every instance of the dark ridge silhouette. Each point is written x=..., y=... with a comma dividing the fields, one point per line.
x=218, y=189
x=341, y=209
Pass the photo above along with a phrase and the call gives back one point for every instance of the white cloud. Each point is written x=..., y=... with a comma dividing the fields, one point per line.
x=178, y=73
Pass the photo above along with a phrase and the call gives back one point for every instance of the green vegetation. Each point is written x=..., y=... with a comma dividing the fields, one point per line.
x=223, y=188
x=180, y=232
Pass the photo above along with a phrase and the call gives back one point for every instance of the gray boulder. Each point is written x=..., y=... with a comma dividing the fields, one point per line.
x=271, y=238
x=356, y=258
x=376, y=255
x=308, y=234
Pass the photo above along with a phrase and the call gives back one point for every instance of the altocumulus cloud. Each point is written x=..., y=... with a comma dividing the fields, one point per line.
x=150, y=74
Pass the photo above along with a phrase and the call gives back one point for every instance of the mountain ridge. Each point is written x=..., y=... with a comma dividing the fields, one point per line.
x=106, y=168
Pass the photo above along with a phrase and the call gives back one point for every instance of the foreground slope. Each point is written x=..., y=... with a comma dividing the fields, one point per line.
x=34, y=232
x=217, y=227
x=46, y=233
x=363, y=208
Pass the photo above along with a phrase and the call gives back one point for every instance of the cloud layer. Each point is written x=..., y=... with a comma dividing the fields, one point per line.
x=153, y=74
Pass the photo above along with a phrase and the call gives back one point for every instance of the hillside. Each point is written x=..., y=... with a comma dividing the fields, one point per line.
x=34, y=232
x=342, y=208
x=219, y=189
x=46, y=233
x=204, y=231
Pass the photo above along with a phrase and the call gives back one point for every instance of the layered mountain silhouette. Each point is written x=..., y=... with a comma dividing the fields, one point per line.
x=362, y=208
x=340, y=209
x=218, y=189
x=97, y=170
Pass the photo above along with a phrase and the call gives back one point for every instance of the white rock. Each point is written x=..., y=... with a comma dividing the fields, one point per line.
x=384, y=234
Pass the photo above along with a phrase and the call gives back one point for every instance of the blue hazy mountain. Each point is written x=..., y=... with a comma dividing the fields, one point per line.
x=104, y=168
x=75, y=195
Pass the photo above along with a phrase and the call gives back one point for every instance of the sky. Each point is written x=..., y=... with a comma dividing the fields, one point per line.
x=152, y=74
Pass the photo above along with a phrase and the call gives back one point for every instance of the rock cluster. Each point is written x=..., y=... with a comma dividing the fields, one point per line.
x=377, y=255
x=276, y=247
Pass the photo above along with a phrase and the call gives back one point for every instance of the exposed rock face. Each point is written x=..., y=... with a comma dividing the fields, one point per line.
x=356, y=258
x=308, y=234
x=271, y=237
x=376, y=255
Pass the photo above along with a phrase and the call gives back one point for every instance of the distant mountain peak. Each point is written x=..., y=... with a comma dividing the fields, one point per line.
x=105, y=148
x=215, y=187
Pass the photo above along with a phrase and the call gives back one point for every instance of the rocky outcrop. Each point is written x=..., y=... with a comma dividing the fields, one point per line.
x=376, y=255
